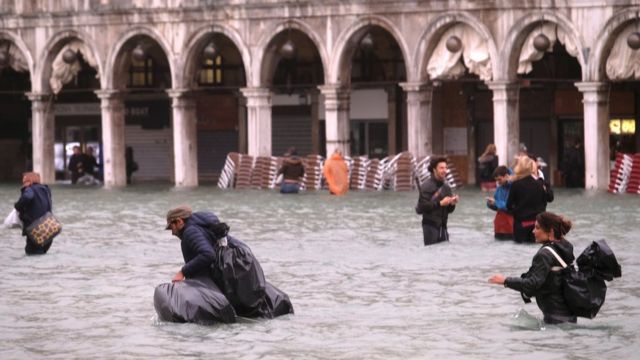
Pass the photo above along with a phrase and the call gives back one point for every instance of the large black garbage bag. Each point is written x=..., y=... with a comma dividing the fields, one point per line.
x=196, y=300
x=585, y=290
x=274, y=303
x=600, y=260
x=239, y=275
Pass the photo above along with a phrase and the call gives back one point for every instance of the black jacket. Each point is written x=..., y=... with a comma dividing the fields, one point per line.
x=431, y=192
x=543, y=283
x=292, y=169
x=35, y=201
x=528, y=197
x=197, y=244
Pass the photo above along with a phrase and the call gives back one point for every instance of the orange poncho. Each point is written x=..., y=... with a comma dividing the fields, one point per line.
x=337, y=174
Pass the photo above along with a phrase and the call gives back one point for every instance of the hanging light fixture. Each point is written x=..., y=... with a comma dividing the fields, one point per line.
x=633, y=40
x=453, y=44
x=69, y=56
x=366, y=44
x=541, y=42
x=138, y=53
x=4, y=58
x=288, y=49
x=210, y=52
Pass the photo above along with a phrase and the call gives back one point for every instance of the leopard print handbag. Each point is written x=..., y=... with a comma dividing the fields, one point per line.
x=42, y=231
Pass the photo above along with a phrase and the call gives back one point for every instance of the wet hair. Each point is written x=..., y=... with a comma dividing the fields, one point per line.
x=32, y=177
x=549, y=221
x=500, y=171
x=434, y=161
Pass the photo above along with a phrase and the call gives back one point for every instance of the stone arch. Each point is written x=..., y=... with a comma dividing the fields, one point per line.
x=345, y=47
x=604, y=42
x=431, y=35
x=508, y=62
x=55, y=44
x=24, y=49
x=262, y=56
x=117, y=48
x=190, y=49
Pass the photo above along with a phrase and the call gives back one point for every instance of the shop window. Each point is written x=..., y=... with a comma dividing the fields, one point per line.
x=622, y=136
x=211, y=72
x=141, y=73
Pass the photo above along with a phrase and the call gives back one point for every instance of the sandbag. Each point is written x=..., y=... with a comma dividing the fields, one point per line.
x=584, y=294
x=239, y=275
x=196, y=300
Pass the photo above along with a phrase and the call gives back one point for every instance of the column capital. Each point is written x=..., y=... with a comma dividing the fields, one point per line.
x=504, y=85
x=416, y=86
x=257, y=97
x=334, y=90
x=592, y=86
x=108, y=94
x=34, y=96
x=179, y=93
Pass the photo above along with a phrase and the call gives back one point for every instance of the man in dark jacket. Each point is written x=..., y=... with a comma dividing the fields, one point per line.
x=435, y=203
x=35, y=201
x=197, y=249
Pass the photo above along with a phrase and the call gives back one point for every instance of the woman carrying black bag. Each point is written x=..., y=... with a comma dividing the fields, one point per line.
x=34, y=203
x=544, y=279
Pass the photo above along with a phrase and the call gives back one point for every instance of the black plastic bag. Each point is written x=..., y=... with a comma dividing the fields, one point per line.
x=583, y=293
x=585, y=290
x=239, y=275
x=196, y=300
x=276, y=303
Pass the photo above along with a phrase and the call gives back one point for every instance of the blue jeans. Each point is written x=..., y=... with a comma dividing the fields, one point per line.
x=289, y=188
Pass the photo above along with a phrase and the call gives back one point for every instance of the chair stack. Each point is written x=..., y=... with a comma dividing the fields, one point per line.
x=403, y=172
x=620, y=173
x=374, y=175
x=359, y=172
x=264, y=172
x=453, y=177
x=244, y=172
x=228, y=173
x=312, y=172
x=633, y=186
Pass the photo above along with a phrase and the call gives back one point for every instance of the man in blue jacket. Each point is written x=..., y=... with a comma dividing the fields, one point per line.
x=35, y=201
x=193, y=231
x=503, y=222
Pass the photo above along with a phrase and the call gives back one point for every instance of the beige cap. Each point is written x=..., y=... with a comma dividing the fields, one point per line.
x=180, y=212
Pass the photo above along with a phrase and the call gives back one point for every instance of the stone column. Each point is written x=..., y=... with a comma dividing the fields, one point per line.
x=185, y=138
x=506, y=119
x=258, y=121
x=242, y=123
x=419, y=118
x=336, y=107
x=315, y=121
x=42, y=136
x=113, y=146
x=595, y=98
x=391, y=120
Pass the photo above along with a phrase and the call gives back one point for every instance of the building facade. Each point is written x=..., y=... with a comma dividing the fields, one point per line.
x=185, y=82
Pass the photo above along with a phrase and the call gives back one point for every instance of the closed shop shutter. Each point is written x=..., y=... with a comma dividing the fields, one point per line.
x=152, y=150
x=213, y=147
x=291, y=130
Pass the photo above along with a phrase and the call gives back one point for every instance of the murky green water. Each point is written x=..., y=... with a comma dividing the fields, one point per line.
x=362, y=284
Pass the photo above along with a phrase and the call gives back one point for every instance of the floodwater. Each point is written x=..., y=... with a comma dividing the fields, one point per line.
x=362, y=284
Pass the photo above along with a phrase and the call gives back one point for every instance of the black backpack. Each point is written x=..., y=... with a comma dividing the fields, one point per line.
x=584, y=289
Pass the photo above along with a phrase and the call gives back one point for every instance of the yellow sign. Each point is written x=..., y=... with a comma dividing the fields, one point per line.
x=622, y=126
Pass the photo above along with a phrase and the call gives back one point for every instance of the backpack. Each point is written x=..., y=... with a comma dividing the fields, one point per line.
x=584, y=289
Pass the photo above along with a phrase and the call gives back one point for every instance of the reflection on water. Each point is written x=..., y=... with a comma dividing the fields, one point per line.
x=362, y=284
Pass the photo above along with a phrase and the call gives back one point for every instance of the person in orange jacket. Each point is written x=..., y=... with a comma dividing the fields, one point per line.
x=337, y=174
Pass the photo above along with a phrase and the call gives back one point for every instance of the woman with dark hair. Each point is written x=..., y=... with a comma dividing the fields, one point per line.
x=292, y=171
x=34, y=202
x=543, y=280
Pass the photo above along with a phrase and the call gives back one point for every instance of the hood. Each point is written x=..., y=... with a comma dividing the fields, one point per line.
x=564, y=249
x=203, y=219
